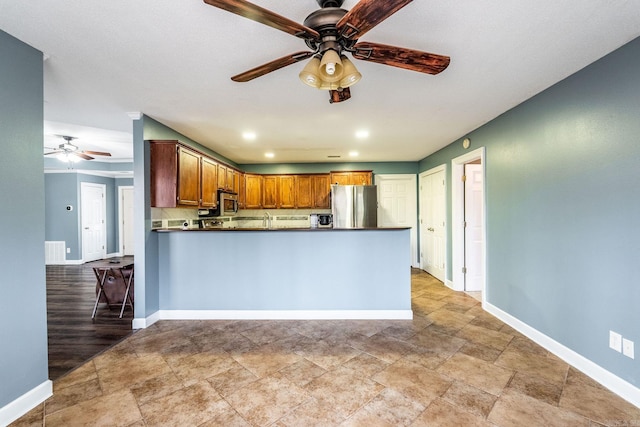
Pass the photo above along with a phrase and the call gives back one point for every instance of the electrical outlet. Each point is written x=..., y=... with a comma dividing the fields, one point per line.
x=615, y=341
x=627, y=347
x=68, y=250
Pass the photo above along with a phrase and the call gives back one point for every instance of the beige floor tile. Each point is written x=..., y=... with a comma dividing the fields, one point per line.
x=156, y=388
x=394, y=408
x=484, y=336
x=366, y=365
x=200, y=366
x=363, y=418
x=115, y=409
x=536, y=387
x=265, y=360
x=444, y=414
x=344, y=390
x=599, y=404
x=448, y=322
x=302, y=372
x=327, y=355
x=231, y=380
x=470, y=399
x=129, y=371
x=550, y=369
x=385, y=348
x=33, y=418
x=414, y=381
x=73, y=395
x=226, y=417
x=82, y=374
x=481, y=352
x=478, y=373
x=267, y=332
x=190, y=406
x=267, y=400
x=312, y=413
x=514, y=409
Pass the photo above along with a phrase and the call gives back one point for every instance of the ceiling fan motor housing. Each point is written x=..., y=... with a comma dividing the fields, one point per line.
x=324, y=22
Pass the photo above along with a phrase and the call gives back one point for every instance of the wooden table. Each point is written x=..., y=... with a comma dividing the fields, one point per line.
x=120, y=275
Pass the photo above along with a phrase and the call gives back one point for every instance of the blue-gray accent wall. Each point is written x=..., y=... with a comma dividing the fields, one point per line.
x=562, y=208
x=23, y=313
x=63, y=189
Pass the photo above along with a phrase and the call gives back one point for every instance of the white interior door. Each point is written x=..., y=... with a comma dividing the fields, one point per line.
x=397, y=206
x=126, y=220
x=473, y=231
x=94, y=235
x=433, y=222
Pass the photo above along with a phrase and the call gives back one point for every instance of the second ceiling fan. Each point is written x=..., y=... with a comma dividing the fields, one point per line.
x=330, y=32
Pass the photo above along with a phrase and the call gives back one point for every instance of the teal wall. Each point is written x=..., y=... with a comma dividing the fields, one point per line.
x=23, y=330
x=376, y=167
x=562, y=209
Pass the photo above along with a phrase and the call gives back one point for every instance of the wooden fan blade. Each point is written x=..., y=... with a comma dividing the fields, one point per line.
x=271, y=66
x=264, y=16
x=52, y=152
x=97, y=153
x=82, y=156
x=365, y=15
x=409, y=59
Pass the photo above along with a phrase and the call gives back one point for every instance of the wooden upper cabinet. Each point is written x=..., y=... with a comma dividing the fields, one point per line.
x=321, y=191
x=253, y=191
x=269, y=191
x=286, y=192
x=239, y=188
x=174, y=175
x=352, y=178
x=222, y=177
x=208, y=183
x=304, y=191
x=231, y=175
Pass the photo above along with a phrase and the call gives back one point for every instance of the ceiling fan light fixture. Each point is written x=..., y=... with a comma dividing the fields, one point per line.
x=331, y=66
x=350, y=74
x=310, y=74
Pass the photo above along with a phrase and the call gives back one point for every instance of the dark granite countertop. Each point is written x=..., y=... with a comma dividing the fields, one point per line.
x=167, y=230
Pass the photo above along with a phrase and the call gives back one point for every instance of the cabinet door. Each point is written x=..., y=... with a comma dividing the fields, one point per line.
x=231, y=175
x=188, y=177
x=286, y=192
x=208, y=183
x=322, y=191
x=253, y=191
x=269, y=191
x=222, y=177
x=361, y=178
x=304, y=191
x=239, y=187
x=341, y=178
x=163, y=174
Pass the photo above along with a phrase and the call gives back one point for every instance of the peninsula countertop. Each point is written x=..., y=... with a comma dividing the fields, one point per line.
x=169, y=230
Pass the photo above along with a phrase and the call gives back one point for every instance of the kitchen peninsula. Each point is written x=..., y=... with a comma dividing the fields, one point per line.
x=284, y=273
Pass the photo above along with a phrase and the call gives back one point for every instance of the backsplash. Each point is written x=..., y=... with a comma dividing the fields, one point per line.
x=250, y=218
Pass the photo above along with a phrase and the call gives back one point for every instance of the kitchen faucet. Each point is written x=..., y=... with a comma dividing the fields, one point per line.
x=266, y=222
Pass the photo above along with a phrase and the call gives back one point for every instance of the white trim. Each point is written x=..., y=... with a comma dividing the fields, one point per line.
x=23, y=404
x=436, y=169
x=114, y=255
x=272, y=315
x=457, y=218
x=611, y=381
x=121, y=217
x=145, y=322
x=449, y=284
x=84, y=185
x=74, y=261
x=101, y=173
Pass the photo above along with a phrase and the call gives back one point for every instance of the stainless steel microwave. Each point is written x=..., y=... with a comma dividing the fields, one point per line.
x=227, y=204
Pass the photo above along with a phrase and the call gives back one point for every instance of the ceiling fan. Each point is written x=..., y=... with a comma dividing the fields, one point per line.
x=70, y=152
x=330, y=32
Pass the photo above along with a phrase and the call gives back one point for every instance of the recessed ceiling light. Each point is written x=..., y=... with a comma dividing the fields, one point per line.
x=353, y=153
x=249, y=136
x=269, y=155
x=362, y=134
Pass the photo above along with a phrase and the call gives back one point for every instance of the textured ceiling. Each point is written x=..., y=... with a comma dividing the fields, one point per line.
x=172, y=60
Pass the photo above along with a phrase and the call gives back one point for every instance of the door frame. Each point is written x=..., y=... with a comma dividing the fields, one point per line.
x=414, y=228
x=457, y=218
x=121, y=217
x=103, y=188
x=440, y=168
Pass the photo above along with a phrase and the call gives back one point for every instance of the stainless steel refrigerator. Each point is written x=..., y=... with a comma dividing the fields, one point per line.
x=354, y=206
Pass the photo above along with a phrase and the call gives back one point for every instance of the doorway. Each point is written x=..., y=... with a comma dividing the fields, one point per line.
x=433, y=222
x=93, y=216
x=468, y=228
x=397, y=205
x=125, y=219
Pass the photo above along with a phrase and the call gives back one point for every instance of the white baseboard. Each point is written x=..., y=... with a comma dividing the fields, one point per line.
x=611, y=381
x=272, y=315
x=114, y=255
x=23, y=404
x=74, y=262
x=449, y=284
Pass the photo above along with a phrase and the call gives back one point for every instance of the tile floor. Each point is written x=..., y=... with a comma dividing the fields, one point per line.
x=452, y=365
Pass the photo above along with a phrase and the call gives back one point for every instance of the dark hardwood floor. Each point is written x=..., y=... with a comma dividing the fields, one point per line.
x=73, y=336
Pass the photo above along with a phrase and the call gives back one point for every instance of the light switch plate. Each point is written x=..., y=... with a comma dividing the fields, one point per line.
x=627, y=347
x=615, y=341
